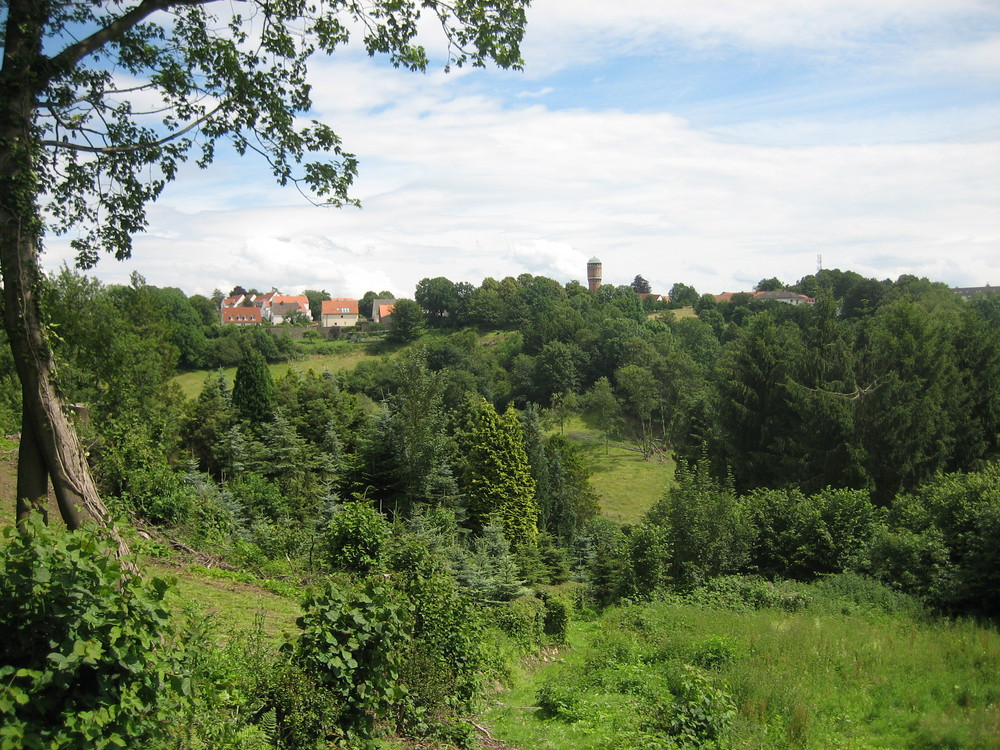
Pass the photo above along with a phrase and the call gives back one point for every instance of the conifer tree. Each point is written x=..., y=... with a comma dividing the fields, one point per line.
x=253, y=389
x=498, y=478
x=207, y=422
x=538, y=460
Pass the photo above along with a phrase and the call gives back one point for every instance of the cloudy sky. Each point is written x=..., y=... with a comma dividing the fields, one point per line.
x=713, y=143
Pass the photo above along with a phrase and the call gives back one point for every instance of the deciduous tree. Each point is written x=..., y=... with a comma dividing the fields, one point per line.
x=316, y=299
x=73, y=135
x=437, y=297
x=408, y=322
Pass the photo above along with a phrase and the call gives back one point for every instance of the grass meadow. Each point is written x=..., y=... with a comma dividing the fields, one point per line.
x=832, y=675
x=191, y=383
x=626, y=484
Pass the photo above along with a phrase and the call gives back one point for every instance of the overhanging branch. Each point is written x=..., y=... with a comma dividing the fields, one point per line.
x=132, y=147
x=72, y=54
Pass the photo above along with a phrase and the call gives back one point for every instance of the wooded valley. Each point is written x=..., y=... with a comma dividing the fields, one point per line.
x=423, y=507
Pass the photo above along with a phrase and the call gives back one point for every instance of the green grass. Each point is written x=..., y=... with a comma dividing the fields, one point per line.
x=823, y=677
x=516, y=718
x=626, y=484
x=678, y=314
x=191, y=382
x=233, y=605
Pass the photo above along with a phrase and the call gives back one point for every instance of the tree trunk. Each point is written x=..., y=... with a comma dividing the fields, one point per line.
x=50, y=448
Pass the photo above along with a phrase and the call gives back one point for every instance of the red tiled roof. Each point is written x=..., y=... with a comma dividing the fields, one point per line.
x=241, y=315
x=340, y=306
x=301, y=300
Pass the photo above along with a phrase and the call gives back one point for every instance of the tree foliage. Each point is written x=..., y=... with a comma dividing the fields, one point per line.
x=640, y=285
x=88, y=658
x=80, y=154
x=498, y=477
x=408, y=322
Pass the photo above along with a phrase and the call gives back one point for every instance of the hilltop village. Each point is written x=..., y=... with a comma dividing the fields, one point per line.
x=244, y=308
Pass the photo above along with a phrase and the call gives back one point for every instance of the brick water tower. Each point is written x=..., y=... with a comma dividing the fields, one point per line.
x=594, y=274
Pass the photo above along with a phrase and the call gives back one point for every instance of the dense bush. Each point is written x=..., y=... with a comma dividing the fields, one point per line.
x=442, y=670
x=357, y=538
x=523, y=619
x=353, y=642
x=941, y=543
x=709, y=531
x=87, y=659
x=802, y=537
x=701, y=713
x=557, y=616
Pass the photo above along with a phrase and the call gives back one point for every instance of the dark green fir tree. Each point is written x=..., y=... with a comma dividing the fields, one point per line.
x=253, y=389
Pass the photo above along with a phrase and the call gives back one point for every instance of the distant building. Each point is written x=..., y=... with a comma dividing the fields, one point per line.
x=783, y=295
x=655, y=298
x=283, y=305
x=340, y=312
x=968, y=292
x=594, y=271
x=779, y=295
x=382, y=309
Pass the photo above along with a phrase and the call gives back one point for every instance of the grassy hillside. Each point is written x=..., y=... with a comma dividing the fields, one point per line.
x=191, y=382
x=231, y=602
x=627, y=485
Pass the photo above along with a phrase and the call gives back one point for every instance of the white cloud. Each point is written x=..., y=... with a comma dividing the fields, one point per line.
x=567, y=32
x=465, y=181
x=478, y=190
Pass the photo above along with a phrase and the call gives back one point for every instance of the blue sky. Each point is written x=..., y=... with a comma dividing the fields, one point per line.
x=713, y=143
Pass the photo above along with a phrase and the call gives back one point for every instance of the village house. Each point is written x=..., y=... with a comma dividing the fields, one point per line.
x=340, y=312
x=282, y=306
x=273, y=307
x=654, y=298
x=779, y=295
x=968, y=292
x=382, y=309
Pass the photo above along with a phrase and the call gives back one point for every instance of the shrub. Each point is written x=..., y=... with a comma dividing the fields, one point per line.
x=306, y=714
x=557, y=616
x=523, y=619
x=131, y=465
x=748, y=592
x=963, y=511
x=87, y=658
x=353, y=641
x=802, y=537
x=710, y=533
x=714, y=652
x=648, y=561
x=445, y=660
x=701, y=712
x=357, y=538
x=557, y=700
x=226, y=712
x=914, y=562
